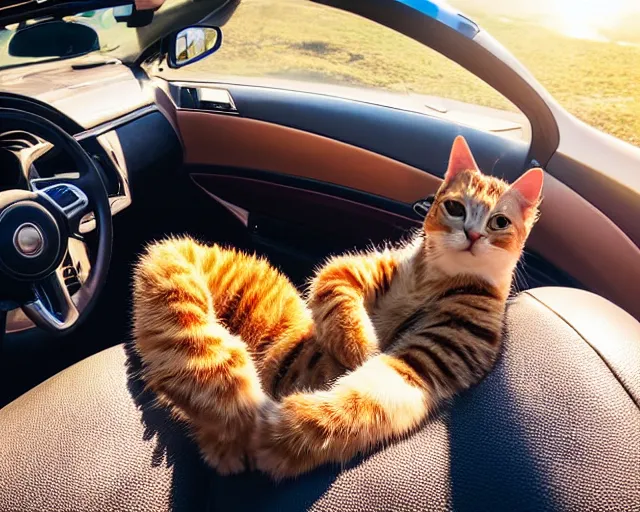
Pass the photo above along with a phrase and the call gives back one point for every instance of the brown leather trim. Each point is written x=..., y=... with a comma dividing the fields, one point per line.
x=230, y=141
x=579, y=239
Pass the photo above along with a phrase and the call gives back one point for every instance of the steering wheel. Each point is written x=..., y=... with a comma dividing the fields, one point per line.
x=35, y=227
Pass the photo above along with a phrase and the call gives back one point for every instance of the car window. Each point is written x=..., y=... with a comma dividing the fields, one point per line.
x=308, y=46
x=586, y=53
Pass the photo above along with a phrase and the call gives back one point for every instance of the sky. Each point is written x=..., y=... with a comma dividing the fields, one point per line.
x=584, y=19
x=563, y=7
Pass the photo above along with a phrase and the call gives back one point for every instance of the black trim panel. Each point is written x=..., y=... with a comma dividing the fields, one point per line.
x=357, y=196
x=116, y=123
x=151, y=149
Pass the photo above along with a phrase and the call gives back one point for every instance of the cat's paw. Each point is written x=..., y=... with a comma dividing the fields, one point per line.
x=279, y=442
x=348, y=333
x=231, y=464
x=226, y=460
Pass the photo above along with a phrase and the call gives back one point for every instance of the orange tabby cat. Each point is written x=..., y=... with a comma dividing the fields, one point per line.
x=384, y=337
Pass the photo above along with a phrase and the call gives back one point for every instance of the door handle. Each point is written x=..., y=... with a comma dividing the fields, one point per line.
x=421, y=206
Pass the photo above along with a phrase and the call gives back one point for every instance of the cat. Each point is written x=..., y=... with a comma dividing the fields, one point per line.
x=268, y=379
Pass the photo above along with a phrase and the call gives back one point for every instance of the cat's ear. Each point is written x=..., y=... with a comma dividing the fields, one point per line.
x=529, y=186
x=460, y=160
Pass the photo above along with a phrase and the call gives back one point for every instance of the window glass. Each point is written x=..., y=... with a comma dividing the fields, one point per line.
x=585, y=52
x=313, y=47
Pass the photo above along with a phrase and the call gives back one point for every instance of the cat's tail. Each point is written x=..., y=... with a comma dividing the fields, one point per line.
x=191, y=361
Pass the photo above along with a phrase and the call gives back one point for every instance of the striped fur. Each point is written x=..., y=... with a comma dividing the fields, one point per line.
x=382, y=339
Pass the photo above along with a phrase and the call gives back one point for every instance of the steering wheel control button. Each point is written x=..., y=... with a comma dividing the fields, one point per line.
x=29, y=240
x=31, y=243
x=69, y=198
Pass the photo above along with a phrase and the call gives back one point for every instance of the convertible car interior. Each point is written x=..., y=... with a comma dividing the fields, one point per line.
x=101, y=156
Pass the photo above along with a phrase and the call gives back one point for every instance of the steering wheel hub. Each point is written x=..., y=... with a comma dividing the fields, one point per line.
x=31, y=240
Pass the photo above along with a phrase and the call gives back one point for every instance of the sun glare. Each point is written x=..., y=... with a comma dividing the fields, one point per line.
x=584, y=19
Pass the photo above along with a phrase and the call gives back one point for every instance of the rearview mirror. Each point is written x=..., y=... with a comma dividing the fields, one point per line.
x=191, y=44
x=54, y=39
x=133, y=17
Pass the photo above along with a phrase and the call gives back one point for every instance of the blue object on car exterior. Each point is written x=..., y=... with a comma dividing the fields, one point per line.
x=445, y=14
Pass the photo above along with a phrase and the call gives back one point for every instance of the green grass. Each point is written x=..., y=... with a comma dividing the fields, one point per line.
x=597, y=82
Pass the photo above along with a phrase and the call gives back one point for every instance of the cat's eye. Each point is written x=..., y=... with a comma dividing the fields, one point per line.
x=498, y=222
x=454, y=208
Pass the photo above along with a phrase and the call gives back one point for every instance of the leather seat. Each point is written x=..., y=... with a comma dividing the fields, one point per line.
x=555, y=426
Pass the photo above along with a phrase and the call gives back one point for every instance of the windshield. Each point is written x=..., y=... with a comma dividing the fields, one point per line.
x=311, y=47
x=585, y=52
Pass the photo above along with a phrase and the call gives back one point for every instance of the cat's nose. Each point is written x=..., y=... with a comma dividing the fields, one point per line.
x=473, y=236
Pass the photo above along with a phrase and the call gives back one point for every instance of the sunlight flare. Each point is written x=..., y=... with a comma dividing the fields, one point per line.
x=585, y=19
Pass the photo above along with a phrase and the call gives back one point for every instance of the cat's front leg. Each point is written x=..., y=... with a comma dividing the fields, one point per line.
x=288, y=437
x=338, y=299
x=382, y=400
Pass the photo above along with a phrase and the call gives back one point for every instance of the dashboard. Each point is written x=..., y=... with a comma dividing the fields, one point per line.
x=113, y=117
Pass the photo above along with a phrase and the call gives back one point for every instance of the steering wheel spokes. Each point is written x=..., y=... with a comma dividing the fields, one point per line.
x=71, y=201
x=53, y=308
x=36, y=225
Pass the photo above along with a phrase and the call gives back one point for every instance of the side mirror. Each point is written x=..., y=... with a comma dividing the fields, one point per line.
x=193, y=43
x=55, y=38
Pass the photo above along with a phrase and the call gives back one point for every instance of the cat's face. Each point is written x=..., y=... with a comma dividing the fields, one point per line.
x=479, y=224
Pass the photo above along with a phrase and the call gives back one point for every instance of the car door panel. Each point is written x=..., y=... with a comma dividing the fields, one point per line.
x=416, y=139
x=318, y=210
x=575, y=236
x=618, y=201
x=560, y=251
x=250, y=144
x=297, y=225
